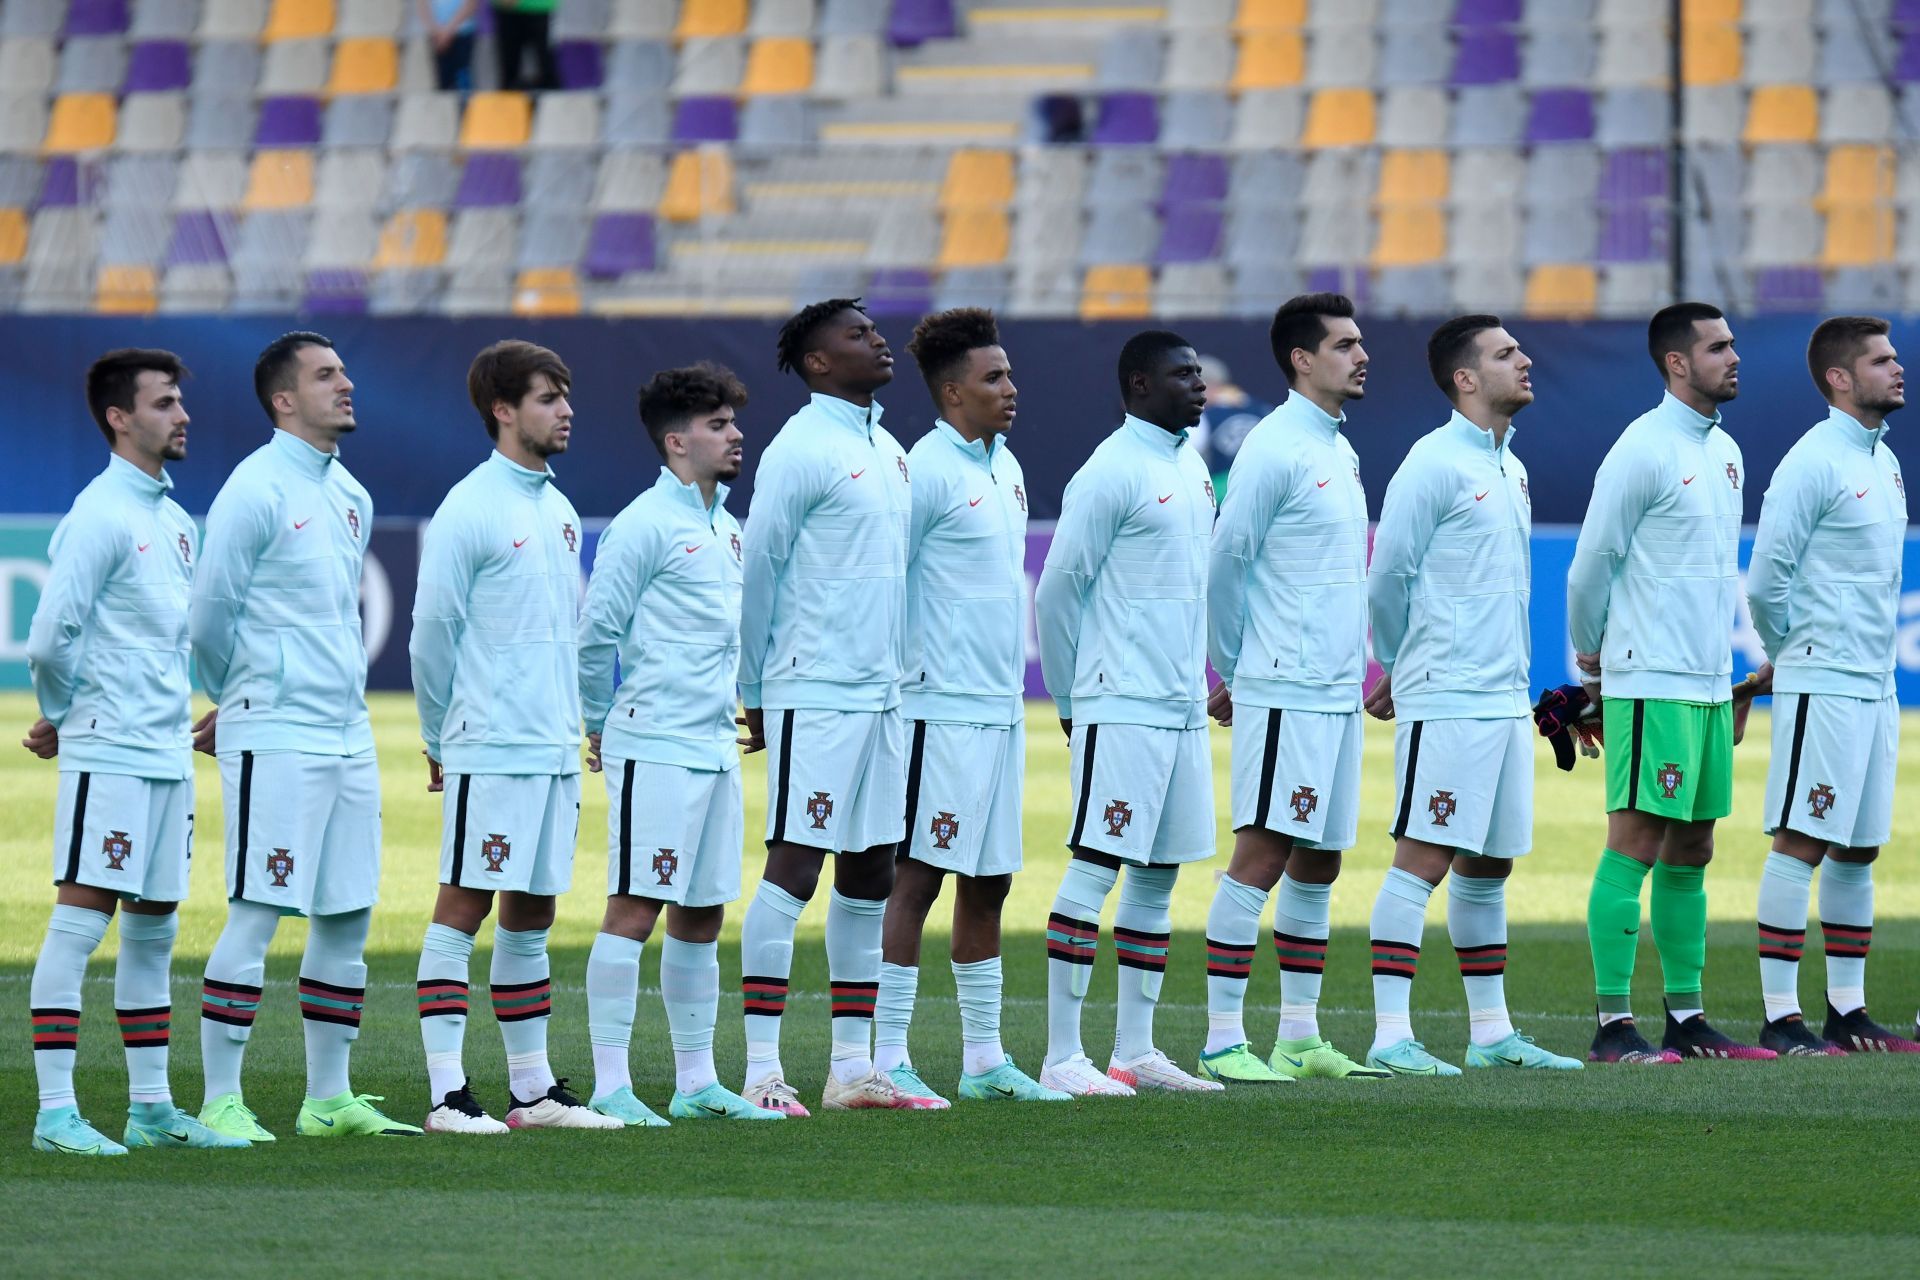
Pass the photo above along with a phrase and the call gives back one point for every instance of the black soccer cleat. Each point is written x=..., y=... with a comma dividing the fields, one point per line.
x=1790, y=1037
x=1696, y=1038
x=1857, y=1033
x=1620, y=1041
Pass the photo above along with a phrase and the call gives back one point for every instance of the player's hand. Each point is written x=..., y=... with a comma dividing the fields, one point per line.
x=1589, y=664
x=1379, y=702
x=1066, y=727
x=1220, y=704
x=203, y=732
x=1757, y=684
x=436, y=776
x=755, y=722
x=42, y=739
x=593, y=753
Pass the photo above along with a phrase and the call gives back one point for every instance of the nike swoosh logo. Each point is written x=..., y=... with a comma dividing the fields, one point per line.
x=61, y=1146
x=711, y=1110
x=1321, y=484
x=695, y=547
x=521, y=542
x=1863, y=493
x=974, y=502
x=323, y=1120
x=143, y=546
x=177, y=1137
x=1292, y=1061
x=1633, y=930
x=1512, y=1062
x=1483, y=493
x=1164, y=499
x=1000, y=1091
x=301, y=524
x=862, y=471
x=1690, y=479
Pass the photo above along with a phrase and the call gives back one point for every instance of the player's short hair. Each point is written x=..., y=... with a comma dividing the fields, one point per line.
x=1301, y=323
x=504, y=373
x=1837, y=342
x=1671, y=330
x=675, y=397
x=273, y=371
x=113, y=379
x=941, y=343
x=1144, y=350
x=799, y=334
x=1451, y=348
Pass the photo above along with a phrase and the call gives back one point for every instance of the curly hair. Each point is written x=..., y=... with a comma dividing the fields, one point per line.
x=798, y=333
x=674, y=397
x=942, y=341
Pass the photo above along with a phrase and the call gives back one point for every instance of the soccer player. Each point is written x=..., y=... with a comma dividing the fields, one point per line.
x=1122, y=611
x=1651, y=599
x=963, y=700
x=1824, y=589
x=109, y=644
x=1287, y=632
x=822, y=633
x=1447, y=594
x=277, y=643
x=496, y=678
x=665, y=596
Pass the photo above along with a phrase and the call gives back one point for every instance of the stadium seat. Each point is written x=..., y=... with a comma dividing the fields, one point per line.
x=413, y=238
x=1342, y=57
x=1559, y=56
x=1190, y=290
x=294, y=66
x=1633, y=118
x=164, y=19
x=1861, y=113
x=13, y=236
x=126, y=291
x=1858, y=235
x=1410, y=235
x=496, y=121
x=710, y=18
x=1780, y=53
x=850, y=67
x=350, y=179
x=1710, y=53
x=778, y=65
x=1631, y=55
x=1484, y=235
x=1411, y=291
x=1413, y=178
x=709, y=67
x=700, y=184
x=219, y=123
x=634, y=120
x=1270, y=15
x=1561, y=233
x=223, y=68
x=1339, y=118
x=1196, y=120
x=974, y=237
x=27, y=64
x=288, y=122
x=357, y=121
x=136, y=181
x=280, y=180
x=379, y=19
x=482, y=237
x=426, y=120
x=80, y=122
x=1414, y=116
x=231, y=19
x=1566, y=291
x=366, y=64
x=489, y=180
x=211, y=180
x=978, y=179
x=1268, y=118
x=1783, y=235
x=1270, y=60
x=344, y=238
x=1567, y=174
x=1127, y=177
x=298, y=20
x=1343, y=179
x=1198, y=60
x=640, y=66
x=1493, y=115
x=629, y=182
x=565, y=120
x=1116, y=292
x=853, y=17
x=92, y=64
x=551, y=236
x=1256, y=236
x=1782, y=113
x=1129, y=59
x=159, y=66
x=1858, y=175
x=1119, y=233
x=201, y=236
x=152, y=122
x=546, y=291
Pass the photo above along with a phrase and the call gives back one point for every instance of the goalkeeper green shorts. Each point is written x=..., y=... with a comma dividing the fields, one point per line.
x=1670, y=759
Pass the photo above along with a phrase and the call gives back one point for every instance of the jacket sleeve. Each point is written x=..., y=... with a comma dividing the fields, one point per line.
x=1090, y=516
x=1623, y=489
x=440, y=606
x=781, y=497
x=1794, y=504
x=622, y=567
x=83, y=554
x=239, y=526
x=1246, y=514
x=1409, y=514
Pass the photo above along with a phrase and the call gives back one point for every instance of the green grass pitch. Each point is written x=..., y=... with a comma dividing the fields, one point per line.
x=1736, y=1166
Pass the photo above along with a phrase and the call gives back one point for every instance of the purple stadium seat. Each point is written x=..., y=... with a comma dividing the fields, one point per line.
x=1194, y=179
x=1789, y=289
x=1633, y=233
x=1352, y=281
x=200, y=238
x=916, y=21
x=1560, y=115
x=1126, y=118
x=1487, y=13
x=1906, y=14
x=1487, y=55
x=1635, y=174
x=159, y=65
x=1907, y=66
x=619, y=243
x=706, y=120
x=490, y=180
x=900, y=292
x=288, y=122
x=67, y=183
x=96, y=17
x=338, y=293
x=580, y=64
x=1191, y=233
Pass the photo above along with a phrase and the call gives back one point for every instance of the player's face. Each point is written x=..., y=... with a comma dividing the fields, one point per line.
x=987, y=393
x=1173, y=394
x=1713, y=366
x=322, y=392
x=1340, y=361
x=1503, y=371
x=712, y=441
x=542, y=422
x=857, y=358
x=1879, y=382
x=157, y=427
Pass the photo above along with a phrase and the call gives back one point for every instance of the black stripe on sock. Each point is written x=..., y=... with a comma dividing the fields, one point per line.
x=460, y=829
x=1793, y=762
x=1633, y=766
x=513, y=987
x=1086, y=788
x=786, y=776
x=916, y=757
x=1267, y=763
x=625, y=885
x=246, y=824
x=1406, y=785
x=333, y=989
x=79, y=826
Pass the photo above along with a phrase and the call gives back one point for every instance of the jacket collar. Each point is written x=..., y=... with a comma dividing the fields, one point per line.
x=1311, y=417
x=307, y=459
x=847, y=414
x=1168, y=442
x=1681, y=416
x=981, y=451
x=532, y=481
x=689, y=494
x=1478, y=436
x=1847, y=427
x=148, y=488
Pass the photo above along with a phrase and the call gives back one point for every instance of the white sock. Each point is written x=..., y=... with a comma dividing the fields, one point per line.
x=521, y=978
x=1301, y=915
x=1477, y=924
x=58, y=975
x=690, y=989
x=1786, y=885
x=1846, y=922
x=1399, y=919
x=142, y=996
x=766, y=961
x=853, y=970
x=1073, y=936
x=1142, y=931
x=441, y=989
x=333, y=992
x=978, y=986
x=230, y=994
x=893, y=1015
x=1233, y=933
x=613, y=995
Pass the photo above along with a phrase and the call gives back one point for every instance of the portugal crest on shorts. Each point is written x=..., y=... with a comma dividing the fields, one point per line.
x=118, y=849
x=573, y=539
x=496, y=849
x=1305, y=801
x=353, y=522
x=943, y=829
x=1669, y=777
x=666, y=866
x=1442, y=806
x=1820, y=801
x=280, y=866
x=1117, y=816
x=820, y=808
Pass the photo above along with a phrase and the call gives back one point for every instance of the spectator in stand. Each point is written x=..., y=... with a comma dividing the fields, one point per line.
x=450, y=27
x=519, y=25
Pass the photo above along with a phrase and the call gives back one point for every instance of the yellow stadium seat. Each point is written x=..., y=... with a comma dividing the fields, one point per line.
x=1698, y=11
x=699, y=184
x=1117, y=293
x=298, y=20
x=1413, y=177
x=779, y=65
x=546, y=291
x=1783, y=113
x=1710, y=53
x=280, y=180
x=711, y=18
x=497, y=121
x=369, y=65
x=81, y=122
x=1270, y=60
x=13, y=235
x=1858, y=235
x=1411, y=235
x=413, y=238
x=1858, y=174
x=978, y=179
x=126, y=291
x=1567, y=292
x=1339, y=118
x=977, y=237
x=1270, y=15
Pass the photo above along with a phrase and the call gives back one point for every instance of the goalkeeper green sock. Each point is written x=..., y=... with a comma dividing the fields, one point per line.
x=1613, y=930
x=1679, y=908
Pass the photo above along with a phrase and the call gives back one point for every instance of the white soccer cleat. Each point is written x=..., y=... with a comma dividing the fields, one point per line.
x=459, y=1113
x=1078, y=1076
x=773, y=1093
x=1155, y=1070
x=873, y=1092
x=558, y=1109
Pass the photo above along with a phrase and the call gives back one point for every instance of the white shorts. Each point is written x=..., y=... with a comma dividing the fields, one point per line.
x=1297, y=774
x=133, y=836
x=303, y=831
x=1142, y=794
x=964, y=784
x=510, y=833
x=673, y=834
x=836, y=780
x=1465, y=784
x=1832, y=771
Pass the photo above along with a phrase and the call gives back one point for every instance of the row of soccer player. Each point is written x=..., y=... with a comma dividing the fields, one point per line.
x=873, y=607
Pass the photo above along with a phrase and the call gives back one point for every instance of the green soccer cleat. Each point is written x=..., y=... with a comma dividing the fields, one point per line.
x=1520, y=1051
x=908, y=1081
x=228, y=1115
x=717, y=1102
x=623, y=1106
x=1008, y=1083
x=1238, y=1064
x=1409, y=1058
x=163, y=1125
x=1315, y=1059
x=349, y=1115
x=61, y=1131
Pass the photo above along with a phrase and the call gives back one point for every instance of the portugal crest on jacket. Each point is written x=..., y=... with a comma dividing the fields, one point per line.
x=1669, y=777
x=1820, y=801
x=943, y=829
x=353, y=523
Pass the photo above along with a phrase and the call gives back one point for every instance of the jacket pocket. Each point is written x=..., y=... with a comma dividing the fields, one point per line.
x=1330, y=627
x=968, y=642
